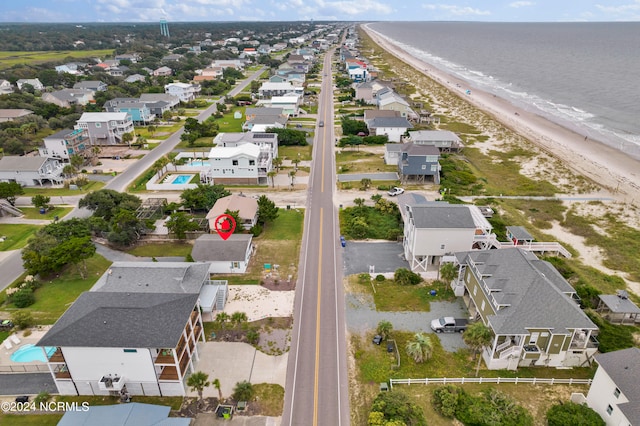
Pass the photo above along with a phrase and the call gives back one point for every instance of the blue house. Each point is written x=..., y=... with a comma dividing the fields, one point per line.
x=419, y=163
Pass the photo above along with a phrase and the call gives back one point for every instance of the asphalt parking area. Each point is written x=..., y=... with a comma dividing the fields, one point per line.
x=384, y=256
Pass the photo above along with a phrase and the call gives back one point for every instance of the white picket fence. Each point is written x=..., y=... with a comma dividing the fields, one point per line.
x=497, y=380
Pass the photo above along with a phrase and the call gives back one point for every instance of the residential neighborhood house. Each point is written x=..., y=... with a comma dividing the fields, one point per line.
x=66, y=143
x=229, y=256
x=105, y=128
x=30, y=171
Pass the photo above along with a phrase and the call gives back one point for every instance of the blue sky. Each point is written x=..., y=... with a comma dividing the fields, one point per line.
x=294, y=10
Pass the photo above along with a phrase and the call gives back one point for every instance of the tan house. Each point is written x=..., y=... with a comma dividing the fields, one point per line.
x=246, y=207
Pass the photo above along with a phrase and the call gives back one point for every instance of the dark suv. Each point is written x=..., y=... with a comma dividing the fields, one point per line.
x=6, y=325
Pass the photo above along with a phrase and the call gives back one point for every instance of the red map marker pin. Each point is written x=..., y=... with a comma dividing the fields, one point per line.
x=225, y=224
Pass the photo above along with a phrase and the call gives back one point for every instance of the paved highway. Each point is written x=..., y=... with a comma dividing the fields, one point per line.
x=317, y=385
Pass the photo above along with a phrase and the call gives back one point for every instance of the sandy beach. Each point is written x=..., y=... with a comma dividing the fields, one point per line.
x=618, y=173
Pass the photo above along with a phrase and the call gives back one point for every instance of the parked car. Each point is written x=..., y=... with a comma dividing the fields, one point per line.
x=377, y=339
x=449, y=325
x=321, y=124
x=6, y=325
x=395, y=191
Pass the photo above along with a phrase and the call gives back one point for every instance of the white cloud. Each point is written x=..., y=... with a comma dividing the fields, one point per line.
x=518, y=4
x=621, y=9
x=456, y=10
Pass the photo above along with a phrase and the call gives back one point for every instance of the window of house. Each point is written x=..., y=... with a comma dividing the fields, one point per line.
x=534, y=338
x=234, y=162
x=475, y=290
x=616, y=392
x=482, y=306
x=609, y=409
x=441, y=246
x=252, y=162
x=130, y=351
x=98, y=125
x=235, y=265
x=424, y=167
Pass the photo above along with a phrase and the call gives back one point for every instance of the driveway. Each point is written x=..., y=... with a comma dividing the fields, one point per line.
x=385, y=257
x=357, y=177
x=362, y=318
x=26, y=384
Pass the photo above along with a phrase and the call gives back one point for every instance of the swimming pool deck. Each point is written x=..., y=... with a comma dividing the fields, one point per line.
x=6, y=364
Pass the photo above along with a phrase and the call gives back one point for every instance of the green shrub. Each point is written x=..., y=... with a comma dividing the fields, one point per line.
x=243, y=391
x=445, y=400
x=22, y=319
x=253, y=336
x=256, y=230
x=380, y=277
x=572, y=414
x=23, y=298
x=395, y=406
x=404, y=276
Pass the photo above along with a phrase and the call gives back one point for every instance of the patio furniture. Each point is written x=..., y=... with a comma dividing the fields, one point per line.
x=14, y=339
x=7, y=344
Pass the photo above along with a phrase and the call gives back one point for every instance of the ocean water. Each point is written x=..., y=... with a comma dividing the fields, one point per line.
x=584, y=76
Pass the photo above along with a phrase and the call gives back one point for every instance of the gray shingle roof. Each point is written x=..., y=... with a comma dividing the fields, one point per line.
x=212, y=248
x=11, y=163
x=418, y=150
x=519, y=232
x=519, y=279
x=122, y=320
x=390, y=122
x=434, y=136
x=618, y=305
x=442, y=215
x=153, y=277
x=624, y=369
x=393, y=147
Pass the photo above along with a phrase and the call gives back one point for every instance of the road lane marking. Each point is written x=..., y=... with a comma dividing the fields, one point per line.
x=323, y=158
x=317, y=366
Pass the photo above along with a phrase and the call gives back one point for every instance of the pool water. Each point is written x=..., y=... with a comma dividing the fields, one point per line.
x=29, y=352
x=181, y=179
x=198, y=163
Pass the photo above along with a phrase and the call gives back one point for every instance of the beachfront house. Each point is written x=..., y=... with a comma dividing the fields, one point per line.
x=419, y=163
x=615, y=390
x=66, y=143
x=31, y=171
x=267, y=142
x=94, y=85
x=436, y=229
x=105, y=128
x=136, y=330
x=245, y=164
x=531, y=309
x=392, y=127
x=444, y=140
x=618, y=308
x=229, y=256
x=387, y=99
x=392, y=153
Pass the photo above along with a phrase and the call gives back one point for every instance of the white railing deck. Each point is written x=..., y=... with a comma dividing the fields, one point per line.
x=498, y=380
x=533, y=246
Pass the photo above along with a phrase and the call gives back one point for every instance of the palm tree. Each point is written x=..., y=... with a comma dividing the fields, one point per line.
x=477, y=336
x=277, y=163
x=420, y=348
x=271, y=175
x=295, y=163
x=292, y=175
x=222, y=319
x=448, y=272
x=384, y=329
x=197, y=382
x=216, y=384
x=359, y=202
x=238, y=318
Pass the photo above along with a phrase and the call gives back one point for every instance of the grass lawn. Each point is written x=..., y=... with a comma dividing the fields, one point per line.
x=270, y=397
x=291, y=152
x=34, y=213
x=161, y=132
x=161, y=249
x=31, y=419
x=351, y=161
x=59, y=192
x=390, y=297
x=279, y=244
x=229, y=124
x=9, y=59
x=56, y=295
x=16, y=235
x=199, y=144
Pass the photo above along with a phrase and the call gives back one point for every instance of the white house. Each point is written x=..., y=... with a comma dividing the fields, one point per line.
x=289, y=103
x=392, y=127
x=270, y=89
x=34, y=82
x=444, y=140
x=5, y=87
x=184, y=91
x=615, y=390
x=65, y=143
x=30, y=171
x=435, y=229
x=268, y=142
x=224, y=257
x=244, y=164
x=106, y=128
x=392, y=152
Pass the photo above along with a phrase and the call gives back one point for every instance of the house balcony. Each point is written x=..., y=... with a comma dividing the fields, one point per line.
x=61, y=372
x=194, y=318
x=165, y=357
x=169, y=373
x=591, y=343
x=57, y=356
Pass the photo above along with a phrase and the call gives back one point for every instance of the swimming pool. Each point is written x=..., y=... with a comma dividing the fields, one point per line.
x=29, y=352
x=198, y=163
x=181, y=179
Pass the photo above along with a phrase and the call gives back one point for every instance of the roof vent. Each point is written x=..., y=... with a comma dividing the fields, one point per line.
x=622, y=294
x=105, y=322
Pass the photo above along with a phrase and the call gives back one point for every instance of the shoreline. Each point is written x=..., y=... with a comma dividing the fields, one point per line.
x=608, y=167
